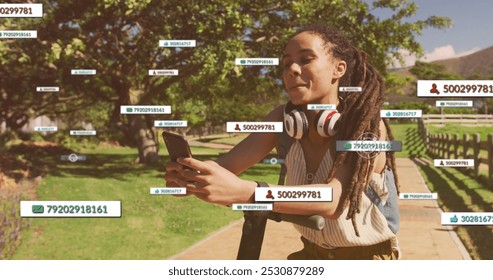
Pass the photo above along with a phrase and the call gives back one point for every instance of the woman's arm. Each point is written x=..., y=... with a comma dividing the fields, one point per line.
x=215, y=184
x=245, y=154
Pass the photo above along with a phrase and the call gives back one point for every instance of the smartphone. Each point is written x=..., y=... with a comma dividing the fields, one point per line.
x=177, y=145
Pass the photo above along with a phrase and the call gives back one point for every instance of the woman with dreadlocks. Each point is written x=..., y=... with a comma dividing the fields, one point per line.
x=360, y=221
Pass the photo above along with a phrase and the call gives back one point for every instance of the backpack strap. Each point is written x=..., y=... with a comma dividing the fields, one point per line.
x=390, y=209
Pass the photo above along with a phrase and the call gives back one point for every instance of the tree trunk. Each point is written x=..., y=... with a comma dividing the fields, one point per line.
x=138, y=131
x=144, y=139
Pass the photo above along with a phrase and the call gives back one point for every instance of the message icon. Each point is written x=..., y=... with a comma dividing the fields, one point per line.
x=242, y=61
x=347, y=146
x=406, y=196
x=129, y=110
x=38, y=209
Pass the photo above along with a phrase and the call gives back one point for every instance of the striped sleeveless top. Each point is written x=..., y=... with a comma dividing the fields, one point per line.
x=372, y=224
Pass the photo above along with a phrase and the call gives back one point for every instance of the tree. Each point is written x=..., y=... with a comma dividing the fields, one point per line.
x=381, y=39
x=432, y=71
x=120, y=40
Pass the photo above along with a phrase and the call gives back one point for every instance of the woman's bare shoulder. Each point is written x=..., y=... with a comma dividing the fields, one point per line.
x=276, y=115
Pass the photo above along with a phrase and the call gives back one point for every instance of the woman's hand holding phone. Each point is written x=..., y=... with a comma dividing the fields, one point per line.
x=205, y=179
x=177, y=147
x=212, y=183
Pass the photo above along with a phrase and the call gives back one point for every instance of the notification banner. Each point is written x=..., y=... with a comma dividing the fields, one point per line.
x=455, y=88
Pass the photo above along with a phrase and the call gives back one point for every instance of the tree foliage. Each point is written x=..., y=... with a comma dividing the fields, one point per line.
x=432, y=71
x=120, y=40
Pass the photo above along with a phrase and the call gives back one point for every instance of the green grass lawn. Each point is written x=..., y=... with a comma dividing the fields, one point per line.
x=151, y=226
x=458, y=192
x=233, y=139
x=159, y=226
x=461, y=129
x=412, y=146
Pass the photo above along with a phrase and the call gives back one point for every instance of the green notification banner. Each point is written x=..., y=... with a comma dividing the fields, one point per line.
x=71, y=209
x=252, y=207
x=368, y=146
x=257, y=61
x=18, y=34
x=149, y=109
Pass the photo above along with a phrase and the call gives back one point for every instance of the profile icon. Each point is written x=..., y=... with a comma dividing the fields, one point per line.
x=237, y=127
x=434, y=89
x=441, y=162
x=269, y=194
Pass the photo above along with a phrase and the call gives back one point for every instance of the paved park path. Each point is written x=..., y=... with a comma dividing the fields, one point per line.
x=421, y=236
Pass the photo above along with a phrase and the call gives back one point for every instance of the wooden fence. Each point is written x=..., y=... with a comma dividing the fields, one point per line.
x=455, y=146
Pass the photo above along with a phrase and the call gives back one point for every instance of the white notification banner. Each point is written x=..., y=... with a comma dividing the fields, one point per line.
x=401, y=113
x=254, y=127
x=256, y=61
x=321, y=107
x=293, y=194
x=273, y=160
x=83, y=132
x=163, y=72
x=83, y=71
x=47, y=89
x=420, y=196
x=350, y=89
x=169, y=123
x=467, y=218
x=252, y=207
x=168, y=191
x=73, y=157
x=21, y=10
x=455, y=88
x=71, y=209
x=454, y=103
x=151, y=109
x=18, y=34
x=177, y=43
x=46, y=128
x=453, y=162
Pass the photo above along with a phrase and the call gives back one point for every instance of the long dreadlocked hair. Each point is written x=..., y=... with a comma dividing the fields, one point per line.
x=362, y=115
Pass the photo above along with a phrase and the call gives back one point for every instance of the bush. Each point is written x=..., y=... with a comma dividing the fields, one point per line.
x=11, y=224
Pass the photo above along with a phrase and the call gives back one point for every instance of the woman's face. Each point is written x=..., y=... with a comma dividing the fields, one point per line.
x=310, y=73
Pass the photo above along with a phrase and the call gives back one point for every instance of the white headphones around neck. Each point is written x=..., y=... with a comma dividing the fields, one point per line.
x=326, y=122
